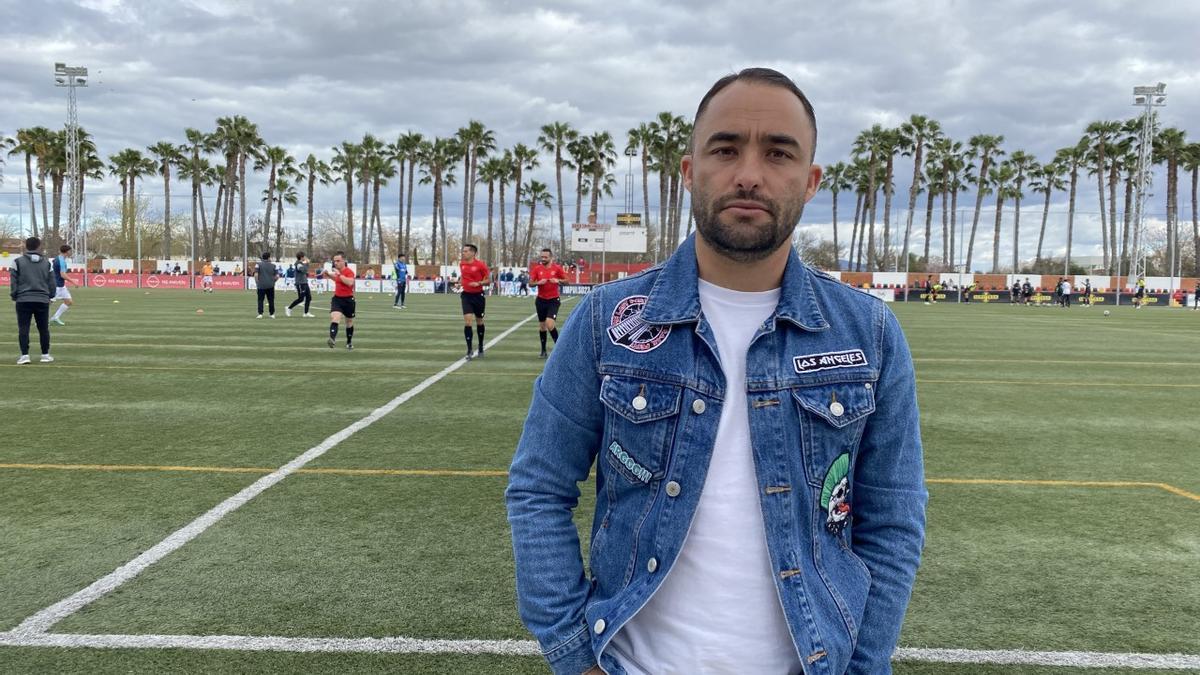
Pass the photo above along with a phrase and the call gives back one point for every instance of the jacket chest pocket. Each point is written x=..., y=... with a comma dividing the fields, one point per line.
x=832, y=418
x=639, y=426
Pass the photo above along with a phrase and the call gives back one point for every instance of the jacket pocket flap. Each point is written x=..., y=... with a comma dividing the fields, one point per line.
x=640, y=400
x=839, y=403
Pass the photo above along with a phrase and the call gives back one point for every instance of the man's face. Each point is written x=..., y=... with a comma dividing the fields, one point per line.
x=467, y=254
x=339, y=262
x=545, y=258
x=749, y=171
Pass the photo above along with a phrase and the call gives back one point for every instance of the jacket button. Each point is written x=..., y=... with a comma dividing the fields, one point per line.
x=672, y=489
x=836, y=408
x=639, y=402
x=652, y=565
x=599, y=627
x=698, y=406
x=867, y=385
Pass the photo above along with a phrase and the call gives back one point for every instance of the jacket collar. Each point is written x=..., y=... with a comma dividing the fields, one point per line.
x=675, y=297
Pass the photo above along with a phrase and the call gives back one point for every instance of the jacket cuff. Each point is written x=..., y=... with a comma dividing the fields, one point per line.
x=574, y=656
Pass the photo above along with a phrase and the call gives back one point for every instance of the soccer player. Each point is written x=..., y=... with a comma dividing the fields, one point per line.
x=546, y=276
x=401, y=267
x=303, y=293
x=474, y=274
x=61, y=280
x=206, y=279
x=1139, y=297
x=342, y=305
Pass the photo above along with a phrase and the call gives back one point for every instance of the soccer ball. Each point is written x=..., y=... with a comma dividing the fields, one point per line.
x=1106, y=312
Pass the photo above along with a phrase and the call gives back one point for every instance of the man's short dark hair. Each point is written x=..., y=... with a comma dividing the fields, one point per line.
x=341, y=253
x=473, y=247
x=33, y=244
x=760, y=76
x=64, y=248
x=546, y=250
x=266, y=255
x=299, y=255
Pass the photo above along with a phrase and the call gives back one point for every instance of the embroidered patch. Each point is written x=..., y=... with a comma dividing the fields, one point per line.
x=835, y=494
x=811, y=363
x=628, y=329
x=637, y=470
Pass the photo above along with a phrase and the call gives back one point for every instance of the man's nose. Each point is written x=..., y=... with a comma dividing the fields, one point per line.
x=749, y=172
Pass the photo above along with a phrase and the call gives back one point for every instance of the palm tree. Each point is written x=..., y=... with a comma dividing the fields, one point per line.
x=166, y=155
x=26, y=143
x=313, y=170
x=192, y=168
x=535, y=193
x=524, y=159
x=603, y=155
x=578, y=153
x=493, y=171
x=1191, y=162
x=641, y=140
x=475, y=141
x=985, y=148
x=277, y=162
x=1002, y=177
x=285, y=192
x=554, y=139
x=1072, y=158
x=955, y=165
x=1023, y=165
x=436, y=158
x=1170, y=147
x=381, y=169
x=370, y=150
x=1046, y=179
x=405, y=150
x=890, y=146
x=869, y=143
x=345, y=164
x=914, y=135
x=241, y=137
x=668, y=145
x=835, y=179
x=1100, y=134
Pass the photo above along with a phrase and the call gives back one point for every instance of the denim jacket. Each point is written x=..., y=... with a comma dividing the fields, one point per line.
x=636, y=380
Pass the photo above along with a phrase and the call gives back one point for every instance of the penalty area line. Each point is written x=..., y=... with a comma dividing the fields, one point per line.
x=44, y=619
x=403, y=645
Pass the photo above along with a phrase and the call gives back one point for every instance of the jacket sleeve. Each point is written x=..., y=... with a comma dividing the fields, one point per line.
x=555, y=453
x=14, y=280
x=889, y=500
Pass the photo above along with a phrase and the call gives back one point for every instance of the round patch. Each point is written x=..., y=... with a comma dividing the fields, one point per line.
x=628, y=329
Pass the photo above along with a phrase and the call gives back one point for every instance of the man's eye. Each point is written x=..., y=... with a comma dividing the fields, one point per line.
x=779, y=154
x=728, y=152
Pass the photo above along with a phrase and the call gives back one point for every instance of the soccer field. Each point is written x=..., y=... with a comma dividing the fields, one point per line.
x=1060, y=447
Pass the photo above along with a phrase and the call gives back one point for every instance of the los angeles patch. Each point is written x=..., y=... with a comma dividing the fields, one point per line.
x=628, y=329
x=811, y=363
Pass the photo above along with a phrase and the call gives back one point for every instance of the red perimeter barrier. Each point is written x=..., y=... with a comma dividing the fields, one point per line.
x=226, y=283
x=112, y=280
x=5, y=277
x=165, y=281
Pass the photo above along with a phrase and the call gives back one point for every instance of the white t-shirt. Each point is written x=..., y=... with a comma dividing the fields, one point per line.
x=718, y=611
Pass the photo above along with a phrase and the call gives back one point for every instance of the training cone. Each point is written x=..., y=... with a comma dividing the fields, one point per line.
x=116, y=302
x=199, y=311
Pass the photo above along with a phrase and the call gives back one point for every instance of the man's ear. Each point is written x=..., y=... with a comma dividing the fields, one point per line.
x=685, y=166
x=814, y=182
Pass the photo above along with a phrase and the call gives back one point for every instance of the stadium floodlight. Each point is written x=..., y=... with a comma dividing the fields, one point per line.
x=71, y=77
x=1147, y=98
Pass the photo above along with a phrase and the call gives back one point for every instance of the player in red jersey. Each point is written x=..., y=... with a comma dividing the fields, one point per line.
x=342, y=305
x=546, y=276
x=474, y=275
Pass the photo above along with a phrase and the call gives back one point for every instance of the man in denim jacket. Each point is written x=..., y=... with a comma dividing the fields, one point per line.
x=760, y=503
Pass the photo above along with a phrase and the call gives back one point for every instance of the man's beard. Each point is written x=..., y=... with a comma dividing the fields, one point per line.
x=744, y=241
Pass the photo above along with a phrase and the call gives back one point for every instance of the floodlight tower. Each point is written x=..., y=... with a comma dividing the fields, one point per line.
x=72, y=77
x=630, y=152
x=1147, y=98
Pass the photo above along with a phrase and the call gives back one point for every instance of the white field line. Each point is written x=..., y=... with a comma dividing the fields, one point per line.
x=403, y=645
x=43, y=620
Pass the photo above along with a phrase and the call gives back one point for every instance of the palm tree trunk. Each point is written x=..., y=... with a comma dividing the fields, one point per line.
x=1070, y=219
x=953, y=225
x=1195, y=224
x=308, y=238
x=887, y=219
x=29, y=181
x=400, y=243
x=279, y=229
x=1100, y=193
x=503, y=229
x=562, y=226
x=980, y=186
x=1112, y=216
x=578, y=192
x=42, y=190
x=929, y=196
x=516, y=209
x=945, y=227
x=167, y=213
x=491, y=210
x=364, y=235
x=1125, y=244
x=217, y=232
x=437, y=196
x=996, y=229
x=646, y=187
x=242, y=201
x=412, y=166
x=597, y=180
x=350, y=213
x=205, y=236
x=858, y=204
x=378, y=221
x=1016, y=230
x=836, y=251
x=56, y=181
x=663, y=226
x=466, y=232
x=1042, y=233
x=471, y=201
x=529, y=234
x=873, y=264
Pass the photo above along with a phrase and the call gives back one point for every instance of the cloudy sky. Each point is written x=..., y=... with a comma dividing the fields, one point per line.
x=312, y=74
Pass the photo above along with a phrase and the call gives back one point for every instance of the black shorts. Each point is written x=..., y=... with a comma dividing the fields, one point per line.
x=547, y=309
x=473, y=303
x=343, y=305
